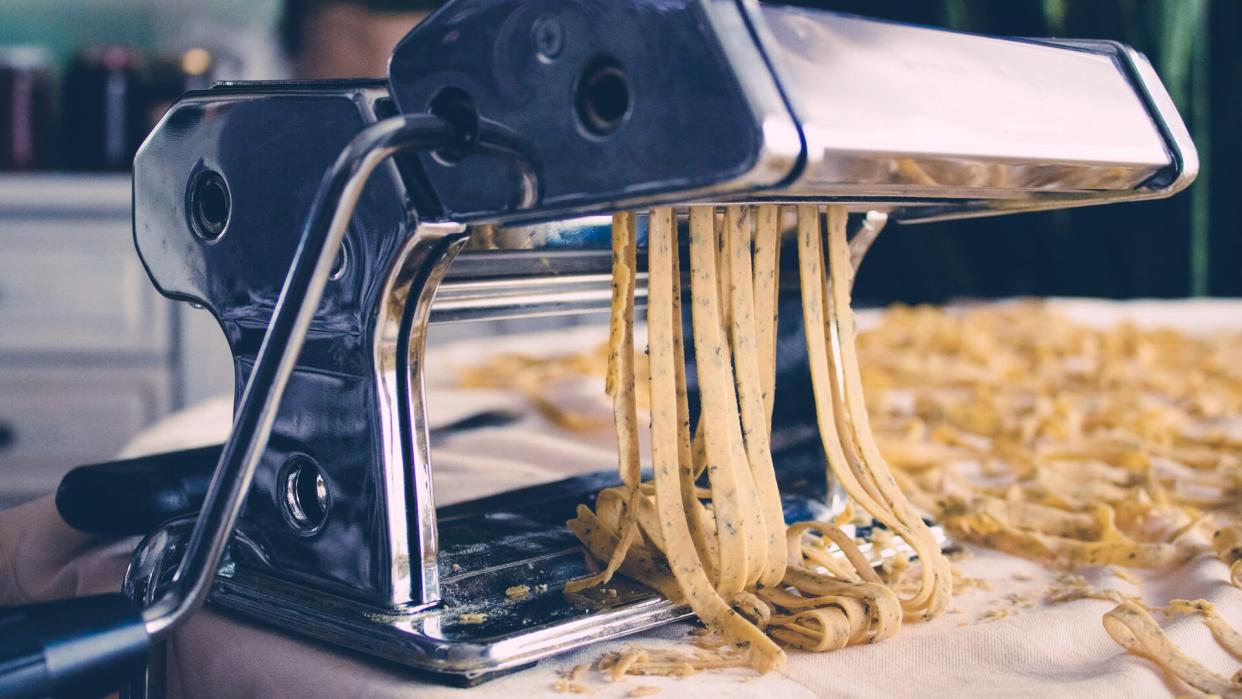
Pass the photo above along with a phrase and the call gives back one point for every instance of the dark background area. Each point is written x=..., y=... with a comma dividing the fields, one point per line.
x=1190, y=244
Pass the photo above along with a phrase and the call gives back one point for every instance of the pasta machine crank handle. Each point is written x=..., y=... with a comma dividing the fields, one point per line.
x=303, y=288
x=88, y=646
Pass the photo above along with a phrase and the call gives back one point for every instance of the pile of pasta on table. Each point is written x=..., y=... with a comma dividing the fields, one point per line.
x=1020, y=430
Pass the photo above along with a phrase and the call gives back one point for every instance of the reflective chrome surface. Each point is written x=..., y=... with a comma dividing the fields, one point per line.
x=528, y=298
x=724, y=100
x=404, y=467
x=149, y=574
x=920, y=123
x=893, y=108
x=329, y=409
x=296, y=307
x=691, y=128
x=487, y=546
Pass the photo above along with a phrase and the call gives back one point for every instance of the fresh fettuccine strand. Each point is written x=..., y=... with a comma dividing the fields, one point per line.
x=750, y=396
x=855, y=426
x=704, y=540
x=1133, y=628
x=1227, y=636
x=620, y=385
x=767, y=294
x=863, y=474
x=726, y=309
x=728, y=473
x=767, y=244
x=747, y=577
x=667, y=450
x=1100, y=448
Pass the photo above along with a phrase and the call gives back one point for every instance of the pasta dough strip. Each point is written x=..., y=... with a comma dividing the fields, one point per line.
x=810, y=264
x=620, y=385
x=767, y=296
x=863, y=474
x=664, y=223
x=639, y=565
x=1135, y=630
x=862, y=567
x=755, y=421
x=937, y=578
x=1123, y=481
x=761, y=589
x=667, y=447
x=1225, y=635
x=727, y=473
x=726, y=308
x=883, y=603
x=986, y=529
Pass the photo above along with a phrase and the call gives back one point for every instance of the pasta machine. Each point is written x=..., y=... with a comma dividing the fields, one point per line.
x=327, y=224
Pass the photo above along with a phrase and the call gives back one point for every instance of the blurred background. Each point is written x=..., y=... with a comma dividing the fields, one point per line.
x=1185, y=246
x=89, y=352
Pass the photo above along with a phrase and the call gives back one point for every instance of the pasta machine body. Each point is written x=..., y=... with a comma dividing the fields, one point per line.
x=537, y=115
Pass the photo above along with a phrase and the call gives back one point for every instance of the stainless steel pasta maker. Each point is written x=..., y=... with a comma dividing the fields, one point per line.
x=327, y=224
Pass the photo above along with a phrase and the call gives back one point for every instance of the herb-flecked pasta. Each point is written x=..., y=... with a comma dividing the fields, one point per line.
x=747, y=576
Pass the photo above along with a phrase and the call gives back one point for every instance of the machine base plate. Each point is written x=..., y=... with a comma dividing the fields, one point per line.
x=504, y=561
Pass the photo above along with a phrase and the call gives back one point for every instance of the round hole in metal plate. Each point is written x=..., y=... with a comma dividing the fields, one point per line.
x=456, y=106
x=602, y=98
x=210, y=205
x=305, y=499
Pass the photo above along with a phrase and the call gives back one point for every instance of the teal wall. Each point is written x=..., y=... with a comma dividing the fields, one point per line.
x=65, y=25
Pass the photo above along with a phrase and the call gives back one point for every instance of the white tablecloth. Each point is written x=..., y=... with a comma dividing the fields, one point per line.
x=1039, y=649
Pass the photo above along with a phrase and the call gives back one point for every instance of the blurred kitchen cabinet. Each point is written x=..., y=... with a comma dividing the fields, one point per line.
x=90, y=353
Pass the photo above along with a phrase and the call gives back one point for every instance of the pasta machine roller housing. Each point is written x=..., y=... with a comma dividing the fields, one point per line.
x=633, y=103
x=562, y=110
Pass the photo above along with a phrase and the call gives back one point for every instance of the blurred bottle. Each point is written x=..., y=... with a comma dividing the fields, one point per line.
x=101, y=111
x=25, y=107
